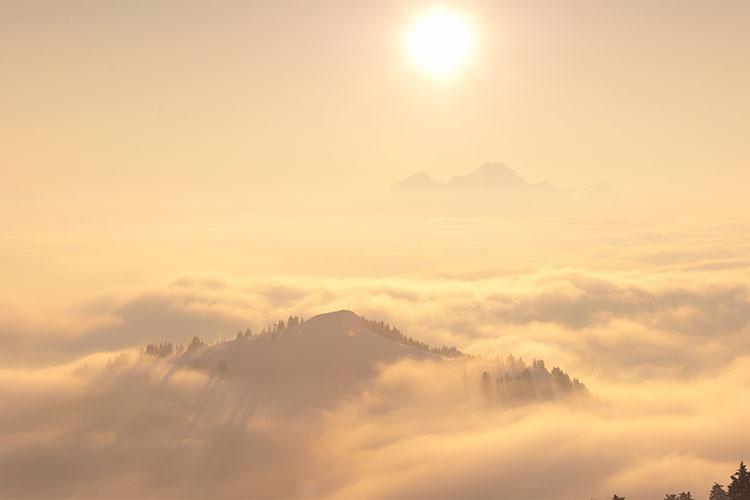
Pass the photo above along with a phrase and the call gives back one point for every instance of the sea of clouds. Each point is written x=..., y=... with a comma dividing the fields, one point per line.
x=658, y=332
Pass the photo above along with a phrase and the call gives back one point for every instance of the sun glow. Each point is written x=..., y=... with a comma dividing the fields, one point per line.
x=440, y=41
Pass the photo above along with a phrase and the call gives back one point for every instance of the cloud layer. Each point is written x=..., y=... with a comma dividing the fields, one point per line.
x=656, y=328
x=684, y=322
x=124, y=428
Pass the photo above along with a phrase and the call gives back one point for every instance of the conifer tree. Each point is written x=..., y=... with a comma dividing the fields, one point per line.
x=739, y=488
x=717, y=492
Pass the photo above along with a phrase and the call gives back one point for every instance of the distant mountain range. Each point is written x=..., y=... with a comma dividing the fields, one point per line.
x=501, y=183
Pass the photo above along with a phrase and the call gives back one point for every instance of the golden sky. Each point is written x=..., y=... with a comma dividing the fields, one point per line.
x=180, y=168
x=107, y=96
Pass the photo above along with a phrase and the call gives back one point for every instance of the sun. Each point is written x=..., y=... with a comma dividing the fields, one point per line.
x=440, y=41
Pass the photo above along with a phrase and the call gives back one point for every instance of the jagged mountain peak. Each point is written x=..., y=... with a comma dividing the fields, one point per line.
x=495, y=184
x=419, y=180
x=489, y=175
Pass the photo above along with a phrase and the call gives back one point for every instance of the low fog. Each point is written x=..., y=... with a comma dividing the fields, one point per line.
x=133, y=426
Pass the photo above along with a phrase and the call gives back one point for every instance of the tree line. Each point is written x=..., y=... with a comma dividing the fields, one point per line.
x=510, y=380
x=381, y=328
x=167, y=349
x=392, y=333
x=737, y=489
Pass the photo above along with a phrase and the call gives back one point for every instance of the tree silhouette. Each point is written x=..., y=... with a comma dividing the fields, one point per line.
x=718, y=493
x=161, y=350
x=739, y=488
x=196, y=343
x=392, y=333
x=292, y=321
x=486, y=385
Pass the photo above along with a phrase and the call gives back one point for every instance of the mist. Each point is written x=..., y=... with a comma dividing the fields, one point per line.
x=487, y=250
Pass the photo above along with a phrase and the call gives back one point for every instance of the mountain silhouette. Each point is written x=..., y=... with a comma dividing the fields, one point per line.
x=495, y=186
x=420, y=180
x=315, y=362
x=487, y=176
x=336, y=344
x=493, y=176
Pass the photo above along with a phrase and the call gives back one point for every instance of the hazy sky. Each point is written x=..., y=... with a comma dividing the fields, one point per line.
x=105, y=96
x=180, y=168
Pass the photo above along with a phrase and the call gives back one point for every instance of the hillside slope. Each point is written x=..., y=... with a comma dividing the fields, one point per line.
x=324, y=358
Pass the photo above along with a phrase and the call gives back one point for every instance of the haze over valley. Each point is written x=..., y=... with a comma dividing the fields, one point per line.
x=383, y=250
